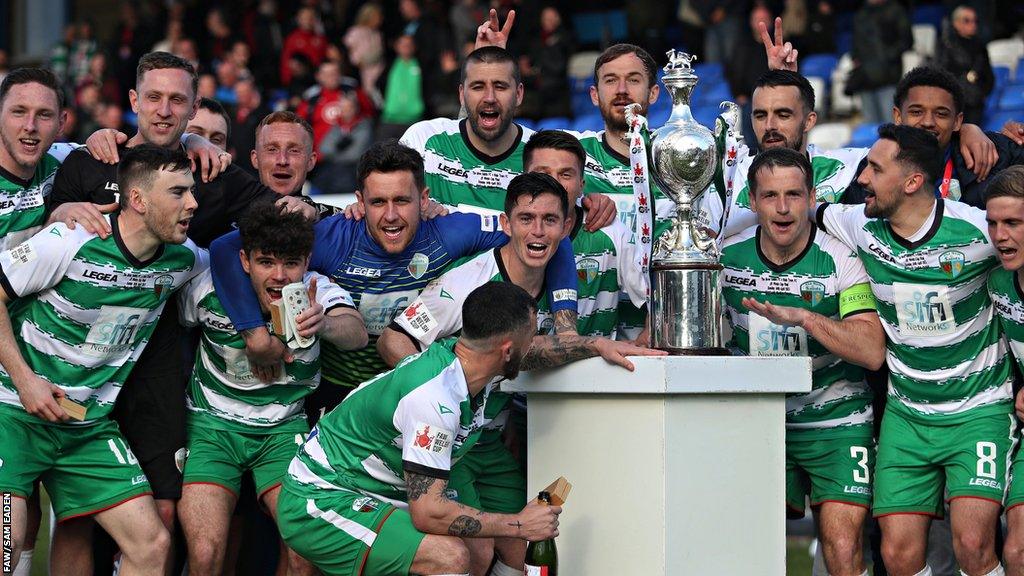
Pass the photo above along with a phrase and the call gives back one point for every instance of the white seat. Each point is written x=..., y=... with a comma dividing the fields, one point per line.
x=912, y=59
x=820, y=98
x=925, y=36
x=841, y=103
x=581, y=64
x=1006, y=52
x=830, y=135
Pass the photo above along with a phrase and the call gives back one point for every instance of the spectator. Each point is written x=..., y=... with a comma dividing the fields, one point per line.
x=175, y=31
x=747, y=65
x=320, y=107
x=263, y=32
x=429, y=44
x=365, y=45
x=821, y=30
x=227, y=78
x=240, y=56
x=881, y=34
x=60, y=54
x=547, y=65
x=724, y=22
x=307, y=39
x=131, y=41
x=82, y=50
x=464, y=18
x=186, y=49
x=341, y=148
x=211, y=122
x=207, y=86
x=88, y=105
x=218, y=39
x=961, y=54
x=110, y=116
x=303, y=80
x=403, y=91
x=248, y=112
x=98, y=75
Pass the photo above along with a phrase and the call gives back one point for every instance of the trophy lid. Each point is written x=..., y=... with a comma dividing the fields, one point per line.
x=679, y=68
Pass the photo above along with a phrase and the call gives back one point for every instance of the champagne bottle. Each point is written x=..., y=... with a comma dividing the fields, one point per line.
x=542, y=556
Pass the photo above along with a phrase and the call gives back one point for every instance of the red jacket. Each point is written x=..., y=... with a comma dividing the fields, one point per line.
x=309, y=44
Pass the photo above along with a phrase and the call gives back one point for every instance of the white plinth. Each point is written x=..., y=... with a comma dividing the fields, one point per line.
x=677, y=468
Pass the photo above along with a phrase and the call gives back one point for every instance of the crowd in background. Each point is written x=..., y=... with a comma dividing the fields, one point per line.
x=359, y=71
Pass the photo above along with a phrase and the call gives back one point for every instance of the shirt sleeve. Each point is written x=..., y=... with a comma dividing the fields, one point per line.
x=560, y=275
x=67, y=182
x=437, y=312
x=232, y=283
x=39, y=262
x=427, y=436
x=189, y=297
x=855, y=295
x=329, y=294
x=844, y=221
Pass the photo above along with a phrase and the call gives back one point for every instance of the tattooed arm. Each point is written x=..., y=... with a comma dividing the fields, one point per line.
x=433, y=513
x=551, y=351
x=565, y=321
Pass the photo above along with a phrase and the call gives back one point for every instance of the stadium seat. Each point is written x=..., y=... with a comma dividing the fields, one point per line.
x=864, y=135
x=713, y=94
x=581, y=104
x=820, y=86
x=818, y=65
x=830, y=135
x=1020, y=70
x=841, y=103
x=1002, y=76
x=592, y=122
x=1012, y=97
x=911, y=60
x=555, y=123
x=925, y=36
x=931, y=14
x=581, y=66
x=1006, y=52
x=994, y=122
x=526, y=123
x=844, y=40
x=709, y=72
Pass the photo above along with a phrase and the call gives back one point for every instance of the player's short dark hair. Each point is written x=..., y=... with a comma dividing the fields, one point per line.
x=388, y=156
x=919, y=149
x=286, y=117
x=217, y=108
x=613, y=52
x=933, y=77
x=165, y=61
x=773, y=158
x=534, y=184
x=491, y=55
x=265, y=229
x=139, y=165
x=554, y=140
x=496, y=309
x=777, y=78
x=1007, y=183
x=27, y=76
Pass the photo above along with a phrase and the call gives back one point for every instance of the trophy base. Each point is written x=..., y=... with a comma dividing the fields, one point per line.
x=695, y=351
x=685, y=308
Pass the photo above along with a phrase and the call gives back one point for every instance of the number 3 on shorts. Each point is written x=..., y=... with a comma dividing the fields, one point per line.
x=860, y=453
x=986, y=460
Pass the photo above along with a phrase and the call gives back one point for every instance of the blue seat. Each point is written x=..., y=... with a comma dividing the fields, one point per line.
x=555, y=123
x=617, y=25
x=844, y=41
x=864, y=135
x=994, y=122
x=1012, y=97
x=582, y=105
x=709, y=72
x=929, y=14
x=588, y=27
x=818, y=65
x=1002, y=76
x=1020, y=70
x=715, y=94
x=526, y=123
x=592, y=122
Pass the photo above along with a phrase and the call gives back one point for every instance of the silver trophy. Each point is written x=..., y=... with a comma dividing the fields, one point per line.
x=685, y=303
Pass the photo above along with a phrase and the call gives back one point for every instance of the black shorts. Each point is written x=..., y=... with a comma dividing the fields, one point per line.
x=323, y=400
x=151, y=407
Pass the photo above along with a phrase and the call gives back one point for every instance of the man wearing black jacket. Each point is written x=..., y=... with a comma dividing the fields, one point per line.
x=151, y=412
x=930, y=98
x=966, y=57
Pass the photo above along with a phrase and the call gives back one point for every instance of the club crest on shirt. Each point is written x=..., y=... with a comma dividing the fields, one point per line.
x=812, y=292
x=162, y=283
x=952, y=262
x=586, y=270
x=418, y=265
